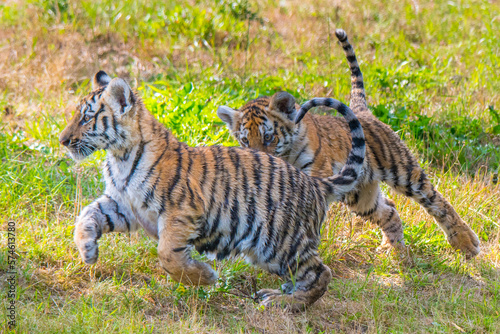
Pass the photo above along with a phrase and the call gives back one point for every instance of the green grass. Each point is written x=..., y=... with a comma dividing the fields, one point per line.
x=430, y=73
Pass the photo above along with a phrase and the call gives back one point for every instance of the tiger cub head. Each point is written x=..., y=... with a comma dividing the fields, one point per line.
x=265, y=124
x=102, y=120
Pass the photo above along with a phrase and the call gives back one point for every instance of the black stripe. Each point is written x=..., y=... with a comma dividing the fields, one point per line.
x=163, y=201
x=288, y=211
x=395, y=172
x=110, y=173
x=105, y=125
x=235, y=157
x=98, y=234
x=113, y=123
x=204, y=169
x=211, y=245
x=227, y=188
x=355, y=71
x=191, y=193
x=354, y=125
x=355, y=199
x=256, y=236
x=342, y=37
x=358, y=142
x=122, y=216
x=409, y=190
x=433, y=197
x=421, y=182
x=213, y=186
x=349, y=172
x=292, y=255
x=377, y=158
x=300, y=153
x=369, y=212
x=270, y=245
x=271, y=210
x=234, y=228
x=177, y=176
x=329, y=187
x=354, y=159
x=126, y=155
x=351, y=59
x=110, y=223
x=357, y=85
x=191, y=196
x=318, y=270
x=257, y=170
x=137, y=158
x=216, y=222
x=235, y=217
x=249, y=221
x=393, y=228
x=302, y=218
x=307, y=164
x=307, y=251
x=150, y=193
x=341, y=182
x=153, y=166
x=94, y=126
x=244, y=184
x=320, y=141
x=119, y=214
x=391, y=215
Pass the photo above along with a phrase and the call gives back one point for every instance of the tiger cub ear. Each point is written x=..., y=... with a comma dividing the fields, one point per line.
x=284, y=102
x=227, y=115
x=120, y=96
x=100, y=79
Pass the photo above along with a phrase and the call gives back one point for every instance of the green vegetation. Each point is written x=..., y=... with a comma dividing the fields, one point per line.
x=431, y=72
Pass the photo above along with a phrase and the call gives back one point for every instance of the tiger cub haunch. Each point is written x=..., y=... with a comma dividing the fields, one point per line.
x=224, y=201
x=319, y=146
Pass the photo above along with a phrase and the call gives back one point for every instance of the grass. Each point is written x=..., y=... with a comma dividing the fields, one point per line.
x=431, y=73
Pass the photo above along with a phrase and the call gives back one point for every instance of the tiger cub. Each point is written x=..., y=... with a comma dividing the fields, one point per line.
x=319, y=146
x=224, y=201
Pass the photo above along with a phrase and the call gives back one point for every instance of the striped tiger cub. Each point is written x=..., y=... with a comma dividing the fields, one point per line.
x=223, y=201
x=319, y=146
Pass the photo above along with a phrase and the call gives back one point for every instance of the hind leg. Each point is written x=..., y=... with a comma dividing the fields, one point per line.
x=459, y=234
x=309, y=286
x=370, y=204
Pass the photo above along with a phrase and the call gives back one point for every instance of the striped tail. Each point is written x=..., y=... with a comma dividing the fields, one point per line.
x=358, y=95
x=345, y=181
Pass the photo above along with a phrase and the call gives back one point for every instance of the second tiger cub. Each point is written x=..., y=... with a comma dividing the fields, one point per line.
x=319, y=146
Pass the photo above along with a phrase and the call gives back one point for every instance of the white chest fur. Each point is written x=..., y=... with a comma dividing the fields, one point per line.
x=125, y=182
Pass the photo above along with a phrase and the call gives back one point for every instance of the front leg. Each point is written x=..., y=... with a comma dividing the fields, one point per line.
x=174, y=252
x=104, y=215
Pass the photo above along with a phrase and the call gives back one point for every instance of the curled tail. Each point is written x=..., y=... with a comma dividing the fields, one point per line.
x=346, y=180
x=358, y=95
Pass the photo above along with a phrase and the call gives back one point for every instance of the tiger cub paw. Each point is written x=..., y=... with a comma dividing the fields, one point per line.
x=466, y=241
x=387, y=245
x=89, y=250
x=275, y=298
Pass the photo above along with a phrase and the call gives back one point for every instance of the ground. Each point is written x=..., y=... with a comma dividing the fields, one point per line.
x=431, y=72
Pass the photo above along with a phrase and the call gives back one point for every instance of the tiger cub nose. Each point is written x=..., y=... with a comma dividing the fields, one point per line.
x=64, y=140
